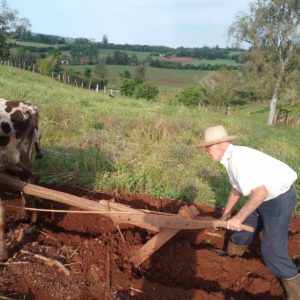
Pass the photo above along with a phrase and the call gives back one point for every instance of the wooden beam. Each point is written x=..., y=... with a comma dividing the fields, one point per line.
x=141, y=218
x=171, y=221
x=161, y=237
x=61, y=197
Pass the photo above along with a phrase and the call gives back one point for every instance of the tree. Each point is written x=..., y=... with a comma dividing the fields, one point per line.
x=9, y=22
x=140, y=71
x=87, y=73
x=125, y=74
x=218, y=88
x=104, y=40
x=101, y=70
x=47, y=64
x=84, y=52
x=272, y=30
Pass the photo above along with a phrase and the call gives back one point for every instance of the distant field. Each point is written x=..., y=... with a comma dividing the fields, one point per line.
x=227, y=62
x=140, y=55
x=167, y=78
x=232, y=53
x=197, y=62
x=30, y=44
x=143, y=55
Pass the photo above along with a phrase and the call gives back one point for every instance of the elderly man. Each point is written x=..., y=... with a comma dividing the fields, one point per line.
x=267, y=182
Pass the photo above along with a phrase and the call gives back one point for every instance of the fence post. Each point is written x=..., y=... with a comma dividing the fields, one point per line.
x=97, y=88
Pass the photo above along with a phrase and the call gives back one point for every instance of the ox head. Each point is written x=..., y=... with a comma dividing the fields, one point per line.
x=19, y=137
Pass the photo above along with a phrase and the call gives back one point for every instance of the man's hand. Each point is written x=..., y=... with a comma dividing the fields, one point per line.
x=234, y=223
x=225, y=216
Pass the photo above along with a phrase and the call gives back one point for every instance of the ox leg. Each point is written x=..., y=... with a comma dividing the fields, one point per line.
x=2, y=243
x=38, y=151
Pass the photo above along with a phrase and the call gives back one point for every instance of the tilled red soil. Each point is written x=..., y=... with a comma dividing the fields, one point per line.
x=85, y=256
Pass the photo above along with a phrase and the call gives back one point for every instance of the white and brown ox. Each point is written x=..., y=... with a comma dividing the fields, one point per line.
x=19, y=138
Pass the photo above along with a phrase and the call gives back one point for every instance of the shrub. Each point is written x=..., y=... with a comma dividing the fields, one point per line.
x=138, y=89
x=190, y=96
x=146, y=90
x=219, y=87
x=127, y=87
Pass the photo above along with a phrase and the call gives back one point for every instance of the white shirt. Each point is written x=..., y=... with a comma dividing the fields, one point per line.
x=248, y=169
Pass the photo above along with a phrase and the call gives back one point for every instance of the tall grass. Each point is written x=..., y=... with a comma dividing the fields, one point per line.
x=137, y=146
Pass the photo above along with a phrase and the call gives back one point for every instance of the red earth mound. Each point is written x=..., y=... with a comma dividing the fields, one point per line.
x=85, y=256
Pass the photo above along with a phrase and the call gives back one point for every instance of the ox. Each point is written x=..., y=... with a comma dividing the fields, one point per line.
x=19, y=137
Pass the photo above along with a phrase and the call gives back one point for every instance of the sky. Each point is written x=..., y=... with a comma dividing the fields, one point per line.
x=172, y=23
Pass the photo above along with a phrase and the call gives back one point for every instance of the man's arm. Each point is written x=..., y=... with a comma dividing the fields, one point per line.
x=233, y=198
x=255, y=199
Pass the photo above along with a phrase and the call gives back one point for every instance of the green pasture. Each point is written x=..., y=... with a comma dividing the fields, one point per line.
x=220, y=62
x=31, y=44
x=165, y=78
x=141, y=56
x=235, y=52
x=137, y=146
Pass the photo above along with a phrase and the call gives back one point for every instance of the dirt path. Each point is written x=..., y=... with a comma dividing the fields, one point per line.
x=83, y=256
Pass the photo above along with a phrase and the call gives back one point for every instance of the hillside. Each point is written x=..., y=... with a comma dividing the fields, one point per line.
x=136, y=146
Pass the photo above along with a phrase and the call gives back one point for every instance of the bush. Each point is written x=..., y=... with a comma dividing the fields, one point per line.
x=127, y=87
x=146, y=90
x=138, y=89
x=190, y=96
x=219, y=87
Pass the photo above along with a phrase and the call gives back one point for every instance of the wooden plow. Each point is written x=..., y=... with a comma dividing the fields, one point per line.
x=164, y=224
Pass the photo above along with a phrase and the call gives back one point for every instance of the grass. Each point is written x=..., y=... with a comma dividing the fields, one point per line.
x=137, y=146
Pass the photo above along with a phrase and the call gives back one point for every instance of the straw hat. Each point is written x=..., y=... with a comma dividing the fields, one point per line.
x=216, y=135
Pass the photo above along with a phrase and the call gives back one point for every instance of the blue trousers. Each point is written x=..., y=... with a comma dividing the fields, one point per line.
x=273, y=217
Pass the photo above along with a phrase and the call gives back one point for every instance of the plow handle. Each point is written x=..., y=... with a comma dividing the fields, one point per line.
x=243, y=227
